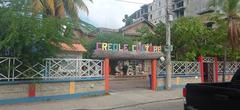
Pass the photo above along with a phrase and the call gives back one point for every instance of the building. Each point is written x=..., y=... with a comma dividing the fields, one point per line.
x=155, y=12
x=75, y=50
x=141, y=14
x=132, y=30
x=190, y=7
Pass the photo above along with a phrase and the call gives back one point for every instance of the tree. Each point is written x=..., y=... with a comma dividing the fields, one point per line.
x=156, y=38
x=230, y=11
x=59, y=8
x=190, y=37
x=127, y=20
x=28, y=37
x=106, y=38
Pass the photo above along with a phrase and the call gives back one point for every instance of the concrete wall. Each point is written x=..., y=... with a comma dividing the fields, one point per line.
x=178, y=81
x=20, y=92
x=228, y=77
x=14, y=91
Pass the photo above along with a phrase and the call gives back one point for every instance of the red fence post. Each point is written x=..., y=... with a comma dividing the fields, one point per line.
x=200, y=60
x=154, y=74
x=106, y=74
x=31, y=90
x=216, y=69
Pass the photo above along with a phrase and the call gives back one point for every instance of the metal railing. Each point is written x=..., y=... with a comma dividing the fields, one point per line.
x=50, y=68
x=231, y=67
x=181, y=68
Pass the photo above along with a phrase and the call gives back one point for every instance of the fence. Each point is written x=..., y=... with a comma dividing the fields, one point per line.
x=51, y=68
x=231, y=67
x=181, y=68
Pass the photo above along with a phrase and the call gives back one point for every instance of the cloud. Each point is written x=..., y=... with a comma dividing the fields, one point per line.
x=109, y=13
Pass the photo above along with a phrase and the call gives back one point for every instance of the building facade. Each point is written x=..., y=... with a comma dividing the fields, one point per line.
x=155, y=12
x=182, y=8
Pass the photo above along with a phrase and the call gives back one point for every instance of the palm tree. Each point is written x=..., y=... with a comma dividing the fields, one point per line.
x=230, y=11
x=59, y=8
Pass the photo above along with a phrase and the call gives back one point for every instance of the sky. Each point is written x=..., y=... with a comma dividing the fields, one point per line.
x=109, y=13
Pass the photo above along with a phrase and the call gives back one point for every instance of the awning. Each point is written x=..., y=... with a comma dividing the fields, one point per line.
x=128, y=55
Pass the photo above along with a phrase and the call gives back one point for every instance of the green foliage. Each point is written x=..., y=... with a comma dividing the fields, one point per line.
x=155, y=38
x=31, y=37
x=106, y=38
x=127, y=20
x=190, y=38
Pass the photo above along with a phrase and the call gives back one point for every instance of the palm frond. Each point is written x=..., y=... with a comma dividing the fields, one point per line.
x=82, y=5
x=60, y=10
x=51, y=7
x=37, y=6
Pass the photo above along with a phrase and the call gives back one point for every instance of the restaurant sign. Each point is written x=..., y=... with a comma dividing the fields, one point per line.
x=126, y=47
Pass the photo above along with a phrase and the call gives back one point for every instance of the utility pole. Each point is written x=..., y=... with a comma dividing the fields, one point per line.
x=168, y=47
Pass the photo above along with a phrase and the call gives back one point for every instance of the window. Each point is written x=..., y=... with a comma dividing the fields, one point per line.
x=150, y=16
x=150, y=8
x=180, y=4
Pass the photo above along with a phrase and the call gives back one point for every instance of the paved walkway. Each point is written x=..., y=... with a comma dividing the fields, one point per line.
x=115, y=100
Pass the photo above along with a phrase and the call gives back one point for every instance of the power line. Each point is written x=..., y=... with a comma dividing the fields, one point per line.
x=131, y=2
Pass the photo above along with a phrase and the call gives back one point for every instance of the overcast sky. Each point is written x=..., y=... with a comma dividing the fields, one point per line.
x=109, y=13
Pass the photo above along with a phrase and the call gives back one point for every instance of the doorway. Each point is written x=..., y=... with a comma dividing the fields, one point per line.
x=209, y=75
x=133, y=76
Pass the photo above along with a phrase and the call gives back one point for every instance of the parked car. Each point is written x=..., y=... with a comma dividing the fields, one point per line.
x=213, y=96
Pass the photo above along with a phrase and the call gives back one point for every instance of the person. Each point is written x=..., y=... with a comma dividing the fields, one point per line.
x=125, y=68
x=118, y=69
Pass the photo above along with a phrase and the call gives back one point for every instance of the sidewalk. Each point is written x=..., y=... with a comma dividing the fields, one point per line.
x=115, y=100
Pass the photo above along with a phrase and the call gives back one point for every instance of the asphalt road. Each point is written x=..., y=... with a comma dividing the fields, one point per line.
x=166, y=105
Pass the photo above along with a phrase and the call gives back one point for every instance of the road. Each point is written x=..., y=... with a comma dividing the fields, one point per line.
x=166, y=105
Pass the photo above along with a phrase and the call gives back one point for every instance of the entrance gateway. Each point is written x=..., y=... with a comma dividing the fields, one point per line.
x=128, y=61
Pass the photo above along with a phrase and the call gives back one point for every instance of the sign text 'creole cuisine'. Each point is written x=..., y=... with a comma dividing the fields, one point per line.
x=126, y=47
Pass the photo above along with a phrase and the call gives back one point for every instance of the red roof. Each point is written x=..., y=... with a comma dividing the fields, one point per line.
x=73, y=47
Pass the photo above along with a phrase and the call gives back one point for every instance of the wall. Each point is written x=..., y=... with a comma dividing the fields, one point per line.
x=228, y=77
x=178, y=81
x=30, y=91
x=193, y=7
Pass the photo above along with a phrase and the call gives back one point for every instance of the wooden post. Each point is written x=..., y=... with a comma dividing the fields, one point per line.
x=106, y=74
x=154, y=75
x=200, y=60
x=216, y=69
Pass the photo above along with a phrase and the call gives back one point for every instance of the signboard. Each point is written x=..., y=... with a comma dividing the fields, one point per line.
x=126, y=47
